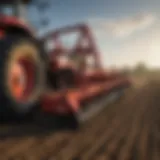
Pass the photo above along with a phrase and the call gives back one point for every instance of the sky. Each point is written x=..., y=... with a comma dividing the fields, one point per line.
x=127, y=32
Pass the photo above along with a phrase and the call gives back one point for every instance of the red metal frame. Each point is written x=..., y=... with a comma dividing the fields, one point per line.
x=66, y=102
x=85, y=34
x=88, y=86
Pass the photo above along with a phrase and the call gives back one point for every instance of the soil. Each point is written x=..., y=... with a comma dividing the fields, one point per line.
x=126, y=130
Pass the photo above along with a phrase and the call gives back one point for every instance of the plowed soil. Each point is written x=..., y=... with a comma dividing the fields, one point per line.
x=126, y=130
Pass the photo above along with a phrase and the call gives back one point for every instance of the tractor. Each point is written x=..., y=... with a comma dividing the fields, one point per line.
x=66, y=82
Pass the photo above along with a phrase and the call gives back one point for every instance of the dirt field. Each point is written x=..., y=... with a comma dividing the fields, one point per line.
x=127, y=130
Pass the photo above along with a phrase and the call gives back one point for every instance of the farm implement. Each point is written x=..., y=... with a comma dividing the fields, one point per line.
x=43, y=74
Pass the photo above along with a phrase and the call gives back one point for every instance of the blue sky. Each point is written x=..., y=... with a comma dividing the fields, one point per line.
x=126, y=31
x=70, y=11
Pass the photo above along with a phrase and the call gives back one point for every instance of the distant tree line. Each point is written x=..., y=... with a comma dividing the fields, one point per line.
x=139, y=68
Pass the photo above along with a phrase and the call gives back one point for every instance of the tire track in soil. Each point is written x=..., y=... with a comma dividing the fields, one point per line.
x=51, y=150
x=77, y=149
x=126, y=149
x=65, y=142
x=126, y=117
x=47, y=143
x=112, y=145
x=144, y=146
x=107, y=135
x=155, y=129
x=42, y=143
x=156, y=144
x=53, y=146
x=115, y=142
x=142, y=138
x=105, y=141
x=80, y=146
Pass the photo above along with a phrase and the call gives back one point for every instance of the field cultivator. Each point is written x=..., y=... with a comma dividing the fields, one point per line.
x=53, y=78
x=84, y=87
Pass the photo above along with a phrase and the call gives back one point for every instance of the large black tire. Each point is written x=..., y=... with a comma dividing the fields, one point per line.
x=11, y=50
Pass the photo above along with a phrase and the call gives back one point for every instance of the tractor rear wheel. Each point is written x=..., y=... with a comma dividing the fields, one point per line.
x=22, y=76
